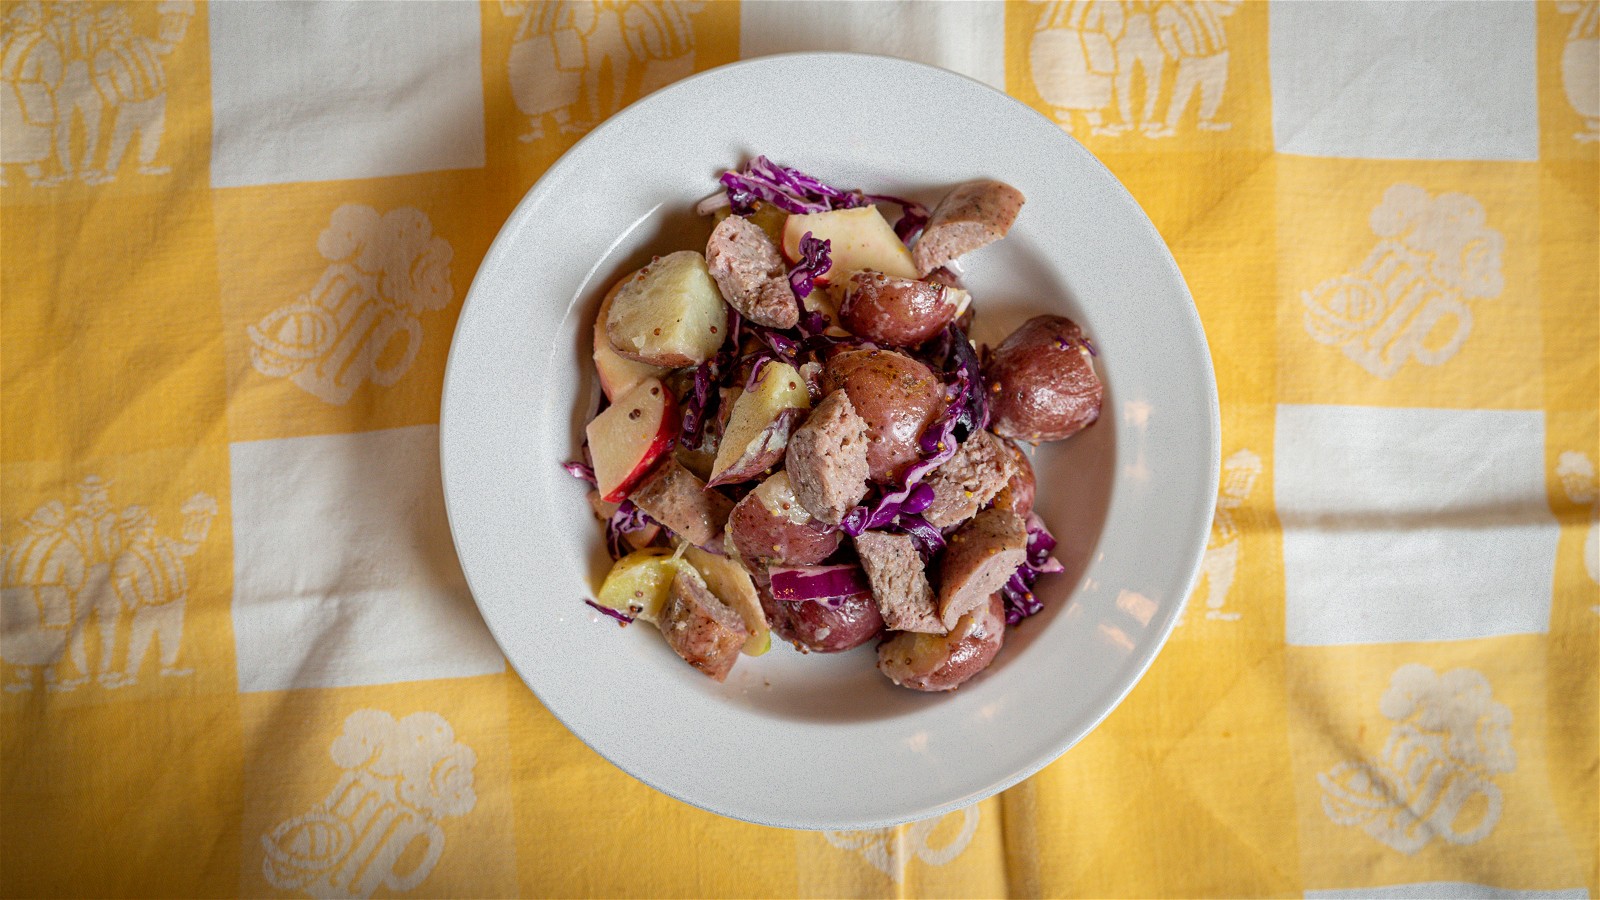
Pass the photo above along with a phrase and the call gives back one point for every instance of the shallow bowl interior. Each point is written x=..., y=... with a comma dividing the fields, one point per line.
x=824, y=741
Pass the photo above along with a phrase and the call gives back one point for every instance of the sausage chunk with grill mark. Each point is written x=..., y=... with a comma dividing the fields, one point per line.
x=675, y=497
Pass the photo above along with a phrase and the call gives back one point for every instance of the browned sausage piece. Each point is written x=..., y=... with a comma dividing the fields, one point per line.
x=969, y=480
x=675, y=497
x=899, y=582
x=703, y=630
x=1017, y=496
x=749, y=271
x=827, y=459
x=931, y=662
x=980, y=558
x=970, y=216
x=1042, y=384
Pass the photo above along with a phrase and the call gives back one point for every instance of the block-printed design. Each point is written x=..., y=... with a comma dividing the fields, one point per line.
x=401, y=780
x=1450, y=739
x=565, y=51
x=90, y=562
x=384, y=271
x=1408, y=299
x=1221, y=561
x=1580, y=65
x=1084, y=55
x=75, y=74
x=1444, y=890
x=884, y=849
x=1577, y=475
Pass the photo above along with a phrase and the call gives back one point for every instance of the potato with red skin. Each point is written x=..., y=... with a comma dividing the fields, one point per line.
x=1017, y=495
x=943, y=662
x=770, y=525
x=1042, y=383
x=812, y=626
x=896, y=312
x=896, y=395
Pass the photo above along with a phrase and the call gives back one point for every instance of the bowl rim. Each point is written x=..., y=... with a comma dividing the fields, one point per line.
x=1193, y=558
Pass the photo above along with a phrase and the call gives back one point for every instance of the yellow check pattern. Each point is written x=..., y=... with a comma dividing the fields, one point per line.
x=227, y=302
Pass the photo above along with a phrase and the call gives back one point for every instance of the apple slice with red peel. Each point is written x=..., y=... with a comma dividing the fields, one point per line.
x=861, y=239
x=628, y=438
x=618, y=374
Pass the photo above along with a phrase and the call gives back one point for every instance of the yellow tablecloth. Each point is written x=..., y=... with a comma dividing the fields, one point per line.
x=239, y=657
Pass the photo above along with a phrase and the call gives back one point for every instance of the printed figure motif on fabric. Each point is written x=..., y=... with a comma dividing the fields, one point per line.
x=1576, y=471
x=1435, y=775
x=574, y=62
x=362, y=321
x=1221, y=561
x=1112, y=63
x=76, y=75
x=889, y=851
x=380, y=826
x=87, y=561
x=1580, y=65
x=1408, y=298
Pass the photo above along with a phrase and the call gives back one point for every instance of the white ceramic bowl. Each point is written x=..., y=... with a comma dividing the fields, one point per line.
x=825, y=741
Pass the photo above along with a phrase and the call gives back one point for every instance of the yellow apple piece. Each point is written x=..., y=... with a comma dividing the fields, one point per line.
x=618, y=374
x=669, y=313
x=758, y=430
x=861, y=239
x=731, y=584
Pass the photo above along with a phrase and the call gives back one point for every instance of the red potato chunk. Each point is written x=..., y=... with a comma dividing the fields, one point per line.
x=770, y=525
x=1042, y=383
x=896, y=395
x=897, y=312
x=943, y=662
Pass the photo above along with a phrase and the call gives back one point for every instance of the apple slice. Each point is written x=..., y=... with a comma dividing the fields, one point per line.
x=861, y=239
x=728, y=580
x=626, y=440
x=618, y=374
x=758, y=431
x=669, y=313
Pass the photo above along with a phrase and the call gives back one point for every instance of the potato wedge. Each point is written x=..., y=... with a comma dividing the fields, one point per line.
x=669, y=313
x=757, y=435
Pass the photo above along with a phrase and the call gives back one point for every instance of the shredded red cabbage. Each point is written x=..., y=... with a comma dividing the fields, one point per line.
x=784, y=347
x=581, y=471
x=815, y=260
x=626, y=520
x=622, y=620
x=697, y=403
x=793, y=191
x=829, y=585
x=1017, y=594
x=913, y=216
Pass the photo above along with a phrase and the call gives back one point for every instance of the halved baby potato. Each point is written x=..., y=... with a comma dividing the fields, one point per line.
x=668, y=313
